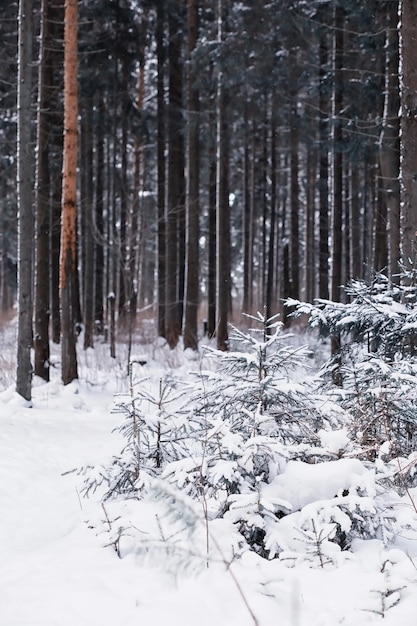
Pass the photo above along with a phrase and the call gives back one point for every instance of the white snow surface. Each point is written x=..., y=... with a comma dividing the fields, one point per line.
x=55, y=568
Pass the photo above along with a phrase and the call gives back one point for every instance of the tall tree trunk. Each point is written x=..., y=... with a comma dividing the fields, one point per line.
x=368, y=211
x=380, y=228
x=246, y=222
x=211, y=277
x=112, y=254
x=56, y=203
x=355, y=224
x=310, y=273
x=5, y=299
x=323, y=165
x=99, y=226
x=174, y=218
x=160, y=53
x=271, y=267
x=408, y=133
x=137, y=236
x=87, y=230
x=24, y=196
x=266, y=213
x=222, y=204
x=55, y=165
x=295, y=228
x=123, y=291
x=389, y=142
x=337, y=174
x=42, y=306
x=251, y=211
x=69, y=195
x=192, y=196
x=337, y=102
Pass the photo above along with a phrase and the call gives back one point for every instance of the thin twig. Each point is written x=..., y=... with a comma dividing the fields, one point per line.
x=237, y=584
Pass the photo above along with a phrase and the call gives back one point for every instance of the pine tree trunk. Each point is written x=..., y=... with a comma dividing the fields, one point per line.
x=389, y=142
x=88, y=239
x=174, y=219
x=294, y=200
x=323, y=167
x=356, y=252
x=346, y=234
x=270, y=298
x=192, y=196
x=380, y=229
x=137, y=236
x=222, y=206
x=408, y=133
x=57, y=133
x=123, y=290
x=336, y=277
x=310, y=273
x=99, y=225
x=24, y=186
x=211, y=277
x=368, y=211
x=246, y=222
x=160, y=52
x=265, y=200
x=337, y=214
x=45, y=85
x=69, y=195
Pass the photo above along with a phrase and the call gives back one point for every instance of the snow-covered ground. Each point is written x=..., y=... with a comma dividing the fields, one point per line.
x=55, y=568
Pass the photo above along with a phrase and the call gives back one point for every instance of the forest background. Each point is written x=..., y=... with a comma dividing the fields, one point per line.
x=185, y=161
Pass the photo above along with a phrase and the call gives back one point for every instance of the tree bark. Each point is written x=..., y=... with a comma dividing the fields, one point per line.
x=408, y=133
x=246, y=221
x=337, y=216
x=222, y=205
x=88, y=238
x=68, y=258
x=174, y=218
x=55, y=126
x=337, y=102
x=380, y=230
x=356, y=252
x=323, y=164
x=270, y=297
x=389, y=142
x=25, y=215
x=211, y=276
x=310, y=274
x=161, y=164
x=42, y=307
x=294, y=200
x=192, y=193
x=99, y=227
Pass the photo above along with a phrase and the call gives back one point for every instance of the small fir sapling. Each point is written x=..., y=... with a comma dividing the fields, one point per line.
x=256, y=418
x=157, y=430
x=377, y=362
x=251, y=386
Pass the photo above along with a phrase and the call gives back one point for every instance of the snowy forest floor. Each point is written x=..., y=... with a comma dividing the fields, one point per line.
x=55, y=568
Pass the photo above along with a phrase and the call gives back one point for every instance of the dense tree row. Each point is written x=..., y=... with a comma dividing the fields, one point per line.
x=230, y=155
